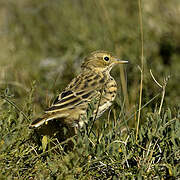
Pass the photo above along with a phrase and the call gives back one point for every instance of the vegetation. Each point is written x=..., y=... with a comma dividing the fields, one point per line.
x=42, y=46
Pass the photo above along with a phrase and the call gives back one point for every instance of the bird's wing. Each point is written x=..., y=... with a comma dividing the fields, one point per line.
x=82, y=90
x=79, y=92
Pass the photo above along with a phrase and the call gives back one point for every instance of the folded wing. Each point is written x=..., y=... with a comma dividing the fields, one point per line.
x=74, y=99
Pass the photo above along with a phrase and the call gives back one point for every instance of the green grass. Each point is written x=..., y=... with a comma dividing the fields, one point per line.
x=109, y=152
x=41, y=49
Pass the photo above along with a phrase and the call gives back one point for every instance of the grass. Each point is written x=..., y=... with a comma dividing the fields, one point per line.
x=108, y=153
x=41, y=51
x=142, y=66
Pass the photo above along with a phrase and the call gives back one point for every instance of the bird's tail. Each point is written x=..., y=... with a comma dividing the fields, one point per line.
x=45, y=118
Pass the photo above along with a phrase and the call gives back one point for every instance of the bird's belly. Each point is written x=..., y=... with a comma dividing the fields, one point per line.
x=103, y=108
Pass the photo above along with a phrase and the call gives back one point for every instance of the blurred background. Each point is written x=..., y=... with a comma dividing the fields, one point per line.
x=43, y=43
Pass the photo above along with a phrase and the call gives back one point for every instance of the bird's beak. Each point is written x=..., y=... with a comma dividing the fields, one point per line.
x=119, y=61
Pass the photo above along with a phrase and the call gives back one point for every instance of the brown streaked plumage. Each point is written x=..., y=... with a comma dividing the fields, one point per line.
x=94, y=83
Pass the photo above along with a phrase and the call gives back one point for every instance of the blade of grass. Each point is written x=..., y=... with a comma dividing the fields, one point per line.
x=15, y=106
x=142, y=66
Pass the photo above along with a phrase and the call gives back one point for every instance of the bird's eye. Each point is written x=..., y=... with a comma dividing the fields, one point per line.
x=106, y=58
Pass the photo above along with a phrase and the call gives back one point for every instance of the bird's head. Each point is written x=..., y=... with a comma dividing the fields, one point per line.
x=101, y=61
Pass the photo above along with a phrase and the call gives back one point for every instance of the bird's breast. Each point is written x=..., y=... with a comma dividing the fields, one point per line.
x=108, y=96
x=110, y=90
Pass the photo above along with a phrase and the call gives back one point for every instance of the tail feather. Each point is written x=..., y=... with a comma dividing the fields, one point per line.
x=44, y=119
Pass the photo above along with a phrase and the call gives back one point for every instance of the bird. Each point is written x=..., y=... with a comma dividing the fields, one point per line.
x=93, y=84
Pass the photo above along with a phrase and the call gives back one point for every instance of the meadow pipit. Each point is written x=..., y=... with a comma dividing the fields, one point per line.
x=94, y=83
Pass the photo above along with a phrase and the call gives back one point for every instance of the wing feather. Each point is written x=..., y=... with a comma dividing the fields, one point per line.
x=80, y=91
